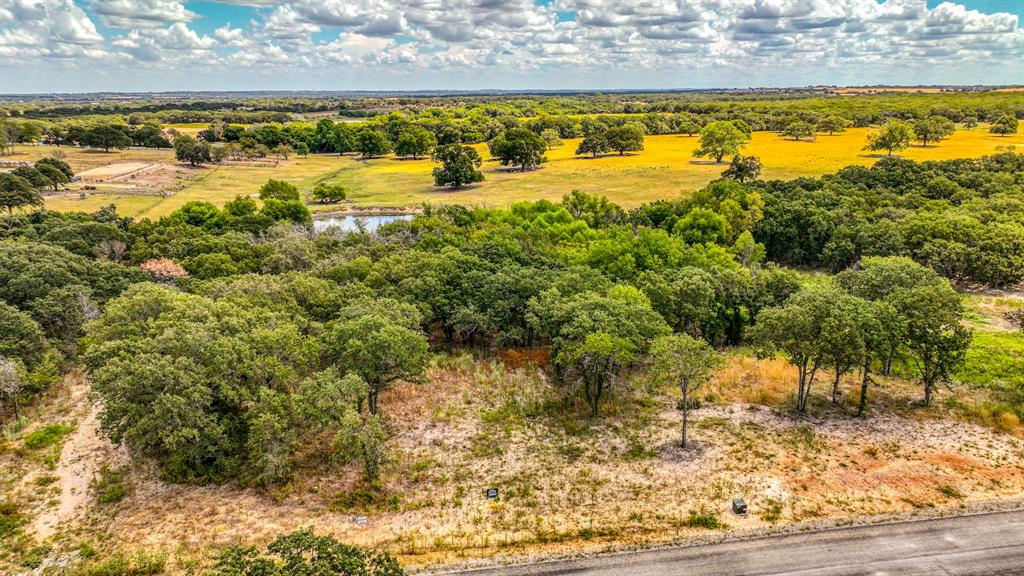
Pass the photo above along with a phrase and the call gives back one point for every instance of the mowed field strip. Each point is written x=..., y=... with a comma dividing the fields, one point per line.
x=664, y=169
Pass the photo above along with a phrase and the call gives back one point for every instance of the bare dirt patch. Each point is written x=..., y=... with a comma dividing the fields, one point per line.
x=139, y=177
x=81, y=457
x=111, y=171
x=166, y=177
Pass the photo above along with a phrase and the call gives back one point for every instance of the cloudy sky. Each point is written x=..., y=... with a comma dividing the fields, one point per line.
x=129, y=45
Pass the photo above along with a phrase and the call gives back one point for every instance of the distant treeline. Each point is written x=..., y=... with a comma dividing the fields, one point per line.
x=757, y=108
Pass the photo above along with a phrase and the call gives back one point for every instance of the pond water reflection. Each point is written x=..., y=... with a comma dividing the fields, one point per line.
x=350, y=222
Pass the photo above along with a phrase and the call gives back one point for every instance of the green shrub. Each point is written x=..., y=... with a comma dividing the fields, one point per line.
x=370, y=497
x=950, y=492
x=34, y=556
x=305, y=553
x=637, y=451
x=139, y=564
x=46, y=436
x=12, y=429
x=11, y=519
x=708, y=521
x=772, y=511
x=110, y=487
x=86, y=549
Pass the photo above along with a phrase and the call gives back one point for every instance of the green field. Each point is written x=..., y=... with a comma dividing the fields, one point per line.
x=663, y=170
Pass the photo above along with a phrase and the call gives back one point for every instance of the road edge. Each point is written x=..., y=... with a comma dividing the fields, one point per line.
x=999, y=507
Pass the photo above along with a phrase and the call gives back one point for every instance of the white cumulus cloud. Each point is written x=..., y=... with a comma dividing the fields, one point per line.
x=651, y=42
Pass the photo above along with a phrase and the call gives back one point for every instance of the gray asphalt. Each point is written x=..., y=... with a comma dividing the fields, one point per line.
x=979, y=545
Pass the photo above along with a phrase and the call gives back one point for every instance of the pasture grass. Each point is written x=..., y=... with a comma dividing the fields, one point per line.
x=664, y=169
x=994, y=362
x=995, y=358
x=82, y=159
x=193, y=128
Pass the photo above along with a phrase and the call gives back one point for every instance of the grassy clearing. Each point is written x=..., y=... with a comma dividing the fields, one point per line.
x=995, y=363
x=194, y=128
x=663, y=170
x=995, y=359
x=191, y=129
x=82, y=159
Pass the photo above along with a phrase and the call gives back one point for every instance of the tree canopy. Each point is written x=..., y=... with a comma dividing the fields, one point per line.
x=371, y=143
x=798, y=130
x=460, y=165
x=625, y=138
x=381, y=342
x=106, y=136
x=720, y=139
x=195, y=152
x=17, y=192
x=684, y=362
x=279, y=190
x=1005, y=125
x=893, y=136
x=415, y=141
x=519, y=147
x=933, y=129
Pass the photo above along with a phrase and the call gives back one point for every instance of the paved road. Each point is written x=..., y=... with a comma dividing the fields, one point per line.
x=981, y=545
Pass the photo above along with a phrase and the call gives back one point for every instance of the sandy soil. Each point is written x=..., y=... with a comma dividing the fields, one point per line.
x=80, y=460
x=82, y=455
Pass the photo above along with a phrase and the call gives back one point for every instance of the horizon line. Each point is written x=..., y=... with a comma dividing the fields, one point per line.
x=526, y=91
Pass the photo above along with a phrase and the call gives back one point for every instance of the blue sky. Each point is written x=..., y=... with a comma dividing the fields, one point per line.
x=128, y=45
x=990, y=6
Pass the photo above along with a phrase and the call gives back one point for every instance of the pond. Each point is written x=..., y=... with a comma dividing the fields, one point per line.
x=350, y=222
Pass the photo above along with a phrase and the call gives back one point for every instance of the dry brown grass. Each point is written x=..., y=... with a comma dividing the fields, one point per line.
x=747, y=379
x=569, y=483
x=986, y=309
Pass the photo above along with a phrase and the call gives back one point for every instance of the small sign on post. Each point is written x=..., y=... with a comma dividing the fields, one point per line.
x=491, y=494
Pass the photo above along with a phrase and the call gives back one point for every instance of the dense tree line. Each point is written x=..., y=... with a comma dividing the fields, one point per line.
x=47, y=294
x=962, y=218
x=59, y=269
x=754, y=106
